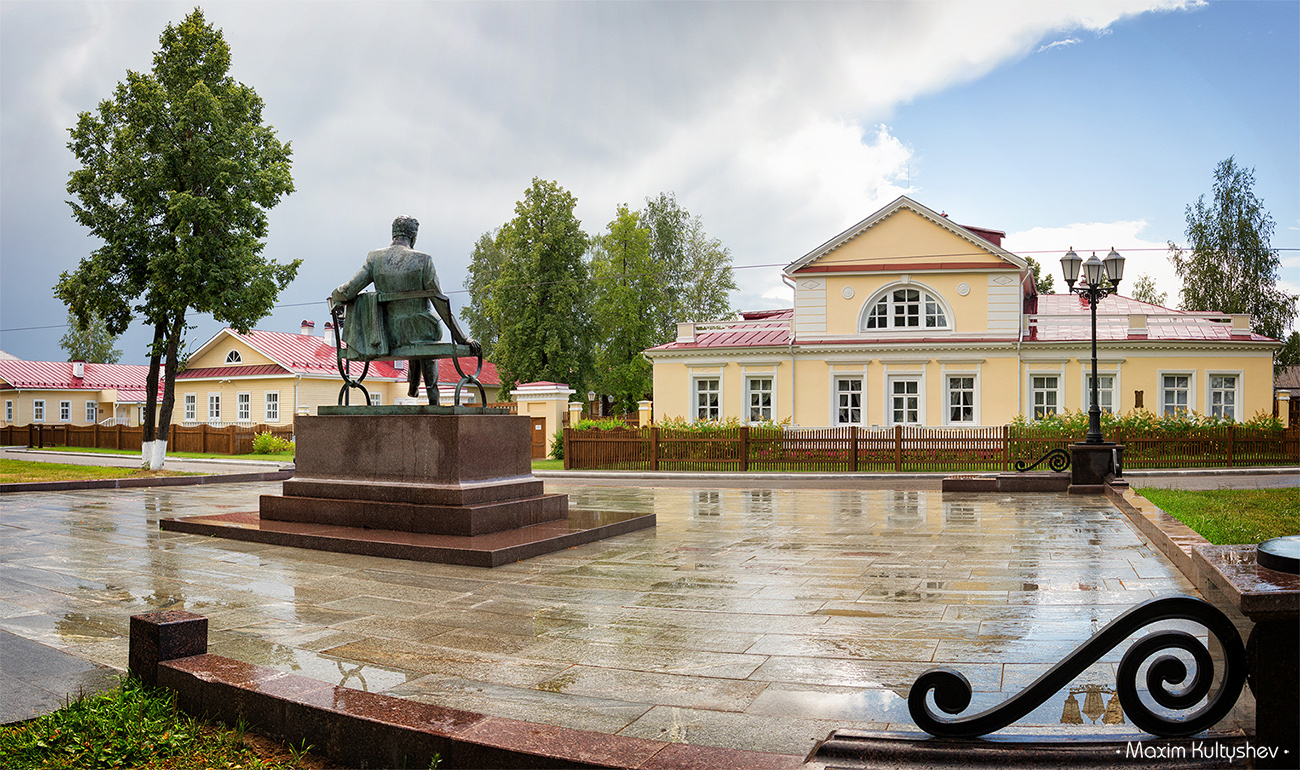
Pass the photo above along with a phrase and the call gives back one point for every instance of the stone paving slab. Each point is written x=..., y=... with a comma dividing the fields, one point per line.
x=798, y=609
x=37, y=680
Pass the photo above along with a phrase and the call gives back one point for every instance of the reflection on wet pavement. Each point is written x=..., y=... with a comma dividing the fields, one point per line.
x=758, y=619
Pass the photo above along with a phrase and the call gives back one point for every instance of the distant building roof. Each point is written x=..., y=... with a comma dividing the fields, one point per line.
x=1287, y=379
x=307, y=354
x=127, y=379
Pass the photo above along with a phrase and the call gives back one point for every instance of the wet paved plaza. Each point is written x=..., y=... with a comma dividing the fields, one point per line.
x=758, y=619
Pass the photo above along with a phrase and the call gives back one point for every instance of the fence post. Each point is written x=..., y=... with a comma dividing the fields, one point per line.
x=118, y=444
x=568, y=451
x=230, y=439
x=654, y=447
x=853, y=432
x=1232, y=441
x=744, y=448
x=1006, y=448
x=898, y=448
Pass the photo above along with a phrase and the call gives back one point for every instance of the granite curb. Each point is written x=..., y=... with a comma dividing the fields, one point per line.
x=129, y=483
x=850, y=476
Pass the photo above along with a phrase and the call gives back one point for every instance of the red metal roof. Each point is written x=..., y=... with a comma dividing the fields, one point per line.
x=312, y=355
x=127, y=379
x=1068, y=318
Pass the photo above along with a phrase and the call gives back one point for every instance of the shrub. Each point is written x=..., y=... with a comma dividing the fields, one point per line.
x=268, y=444
x=557, y=444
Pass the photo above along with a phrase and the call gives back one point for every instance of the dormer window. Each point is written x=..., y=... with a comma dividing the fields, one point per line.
x=233, y=357
x=905, y=308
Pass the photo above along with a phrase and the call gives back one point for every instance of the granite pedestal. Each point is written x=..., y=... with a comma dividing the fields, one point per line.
x=451, y=485
x=1092, y=466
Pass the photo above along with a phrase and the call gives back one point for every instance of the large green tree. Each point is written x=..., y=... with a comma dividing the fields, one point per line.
x=1144, y=290
x=485, y=264
x=1229, y=265
x=540, y=302
x=177, y=174
x=693, y=269
x=625, y=287
x=90, y=342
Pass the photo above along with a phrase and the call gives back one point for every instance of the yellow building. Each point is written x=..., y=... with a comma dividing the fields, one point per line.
x=907, y=318
x=268, y=377
x=71, y=392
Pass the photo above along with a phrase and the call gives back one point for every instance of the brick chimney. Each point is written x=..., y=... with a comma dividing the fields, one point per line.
x=307, y=327
x=328, y=334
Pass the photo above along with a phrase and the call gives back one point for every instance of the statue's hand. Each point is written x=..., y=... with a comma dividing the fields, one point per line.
x=476, y=349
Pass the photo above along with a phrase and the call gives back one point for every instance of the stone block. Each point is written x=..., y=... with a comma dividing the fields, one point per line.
x=163, y=636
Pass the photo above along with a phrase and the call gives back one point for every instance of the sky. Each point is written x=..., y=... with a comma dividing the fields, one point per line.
x=1065, y=124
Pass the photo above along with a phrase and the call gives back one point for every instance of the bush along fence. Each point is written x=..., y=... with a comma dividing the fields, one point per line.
x=909, y=448
x=230, y=440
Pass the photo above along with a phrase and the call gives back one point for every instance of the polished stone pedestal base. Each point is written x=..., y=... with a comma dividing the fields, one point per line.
x=1093, y=465
x=409, y=484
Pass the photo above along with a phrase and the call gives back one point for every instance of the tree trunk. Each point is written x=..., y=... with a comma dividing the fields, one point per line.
x=169, y=392
x=148, y=426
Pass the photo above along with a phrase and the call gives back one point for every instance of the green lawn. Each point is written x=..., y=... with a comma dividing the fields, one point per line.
x=1228, y=516
x=134, y=726
x=23, y=471
x=278, y=456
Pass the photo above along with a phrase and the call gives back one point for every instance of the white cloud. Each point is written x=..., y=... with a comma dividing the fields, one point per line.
x=1048, y=244
x=1058, y=44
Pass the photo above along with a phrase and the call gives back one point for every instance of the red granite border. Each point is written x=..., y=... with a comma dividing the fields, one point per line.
x=362, y=729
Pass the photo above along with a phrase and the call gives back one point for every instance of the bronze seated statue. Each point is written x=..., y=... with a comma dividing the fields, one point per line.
x=397, y=320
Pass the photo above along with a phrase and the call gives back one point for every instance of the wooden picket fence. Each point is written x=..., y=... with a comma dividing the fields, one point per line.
x=904, y=448
x=231, y=439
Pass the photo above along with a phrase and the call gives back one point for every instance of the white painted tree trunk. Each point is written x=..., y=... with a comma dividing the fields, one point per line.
x=146, y=454
x=159, y=455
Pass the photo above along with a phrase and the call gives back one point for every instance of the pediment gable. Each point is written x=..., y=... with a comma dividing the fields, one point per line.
x=905, y=236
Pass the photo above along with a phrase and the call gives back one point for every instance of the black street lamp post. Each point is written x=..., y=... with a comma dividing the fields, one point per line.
x=1096, y=272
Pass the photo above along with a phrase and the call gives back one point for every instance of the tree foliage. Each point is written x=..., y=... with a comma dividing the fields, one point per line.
x=1289, y=355
x=177, y=174
x=485, y=264
x=694, y=270
x=540, y=301
x=90, y=341
x=625, y=287
x=1144, y=290
x=1229, y=265
x=1043, y=283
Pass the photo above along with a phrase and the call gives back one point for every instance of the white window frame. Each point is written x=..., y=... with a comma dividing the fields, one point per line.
x=377, y=399
x=1237, y=415
x=1085, y=400
x=65, y=411
x=974, y=377
x=886, y=296
x=861, y=392
x=92, y=412
x=214, y=400
x=244, y=407
x=751, y=391
x=190, y=403
x=1055, y=389
x=38, y=410
x=1160, y=389
x=271, y=406
x=9, y=410
x=233, y=357
x=890, y=380
x=695, y=397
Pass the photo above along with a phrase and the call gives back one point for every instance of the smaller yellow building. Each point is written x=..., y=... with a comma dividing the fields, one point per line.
x=71, y=392
x=268, y=377
x=908, y=318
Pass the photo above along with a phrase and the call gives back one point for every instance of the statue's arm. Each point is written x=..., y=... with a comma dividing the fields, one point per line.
x=348, y=291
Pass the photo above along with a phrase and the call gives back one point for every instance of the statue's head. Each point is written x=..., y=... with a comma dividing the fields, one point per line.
x=406, y=227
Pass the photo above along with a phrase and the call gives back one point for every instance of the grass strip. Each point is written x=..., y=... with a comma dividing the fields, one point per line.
x=139, y=727
x=22, y=471
x=286, y=457
x=1232, y=516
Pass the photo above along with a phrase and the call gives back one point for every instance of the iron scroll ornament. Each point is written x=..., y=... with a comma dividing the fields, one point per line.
x=1167, y=677
x=1057, y=460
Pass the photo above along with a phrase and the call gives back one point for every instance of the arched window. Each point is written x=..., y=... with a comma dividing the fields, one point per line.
x=233, y=357
x=905, y=307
